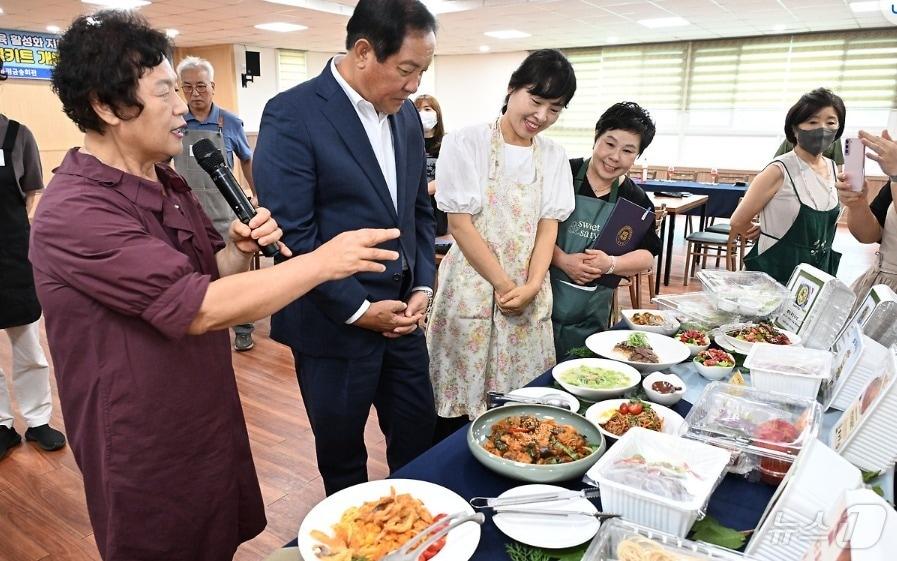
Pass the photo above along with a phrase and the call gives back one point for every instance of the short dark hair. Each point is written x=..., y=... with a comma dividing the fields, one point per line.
x=386, y=23
x=628, y=116
x=808, y=105
x=102, y=57
x=545, y=73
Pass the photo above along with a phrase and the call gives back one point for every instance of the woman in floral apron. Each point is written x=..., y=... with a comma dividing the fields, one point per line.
x=876, y=221
x=582, y=307
x=505, y=189
x=795, y=195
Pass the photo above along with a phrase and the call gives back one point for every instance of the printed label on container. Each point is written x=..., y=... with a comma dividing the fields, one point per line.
x=804, y=288
x=847, y=350
x=864, y=405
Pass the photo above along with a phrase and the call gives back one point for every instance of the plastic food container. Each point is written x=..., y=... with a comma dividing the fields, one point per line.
x=763, y=431
x=696, y=308
x=865, y=432
x=876, y=314
x=658, y=480
x=747, y=294
x=619, y=539
x=788, y=369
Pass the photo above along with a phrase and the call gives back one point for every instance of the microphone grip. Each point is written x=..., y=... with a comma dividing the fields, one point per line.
x=236, y=199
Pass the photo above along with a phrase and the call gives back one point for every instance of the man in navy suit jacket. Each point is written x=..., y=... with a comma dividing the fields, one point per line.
x=340, y=152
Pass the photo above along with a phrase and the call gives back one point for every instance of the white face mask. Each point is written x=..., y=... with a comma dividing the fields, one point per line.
x=429, y=119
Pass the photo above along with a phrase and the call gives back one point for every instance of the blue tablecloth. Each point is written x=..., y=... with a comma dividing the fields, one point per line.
x=723, y=197
x=736, y=503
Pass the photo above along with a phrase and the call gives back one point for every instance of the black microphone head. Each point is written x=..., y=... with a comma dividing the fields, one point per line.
x=207, y=155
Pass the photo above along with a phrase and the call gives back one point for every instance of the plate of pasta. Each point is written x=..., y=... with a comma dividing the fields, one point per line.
x=614, y=417
x=368, y=520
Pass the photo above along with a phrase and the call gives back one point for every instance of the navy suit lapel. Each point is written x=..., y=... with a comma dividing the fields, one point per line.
x=339, y=111
x=400, y=147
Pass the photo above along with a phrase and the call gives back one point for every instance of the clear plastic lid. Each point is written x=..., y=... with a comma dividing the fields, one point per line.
x=748, y=294
x=760, y=423
x=696, y=308
x=618, y=539
x=789, y=360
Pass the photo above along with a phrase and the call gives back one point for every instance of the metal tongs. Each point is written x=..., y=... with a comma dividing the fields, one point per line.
x=414, y=547
x=498, y=502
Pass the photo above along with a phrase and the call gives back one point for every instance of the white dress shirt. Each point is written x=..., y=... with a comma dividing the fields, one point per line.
x=376, y=126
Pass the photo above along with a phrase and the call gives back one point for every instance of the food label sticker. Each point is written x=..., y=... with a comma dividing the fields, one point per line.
x=863, y=406
x=804, y=290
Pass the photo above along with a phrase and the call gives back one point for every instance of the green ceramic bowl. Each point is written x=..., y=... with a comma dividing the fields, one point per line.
x=481, y=428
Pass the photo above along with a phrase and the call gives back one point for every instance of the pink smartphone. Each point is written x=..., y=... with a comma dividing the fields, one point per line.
x=855, y=163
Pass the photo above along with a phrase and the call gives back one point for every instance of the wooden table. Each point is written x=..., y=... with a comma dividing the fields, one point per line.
x=675, y=206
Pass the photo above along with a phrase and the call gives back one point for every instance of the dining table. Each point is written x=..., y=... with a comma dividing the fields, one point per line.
x=723, y=197
x=675, y=206
x=737, y=502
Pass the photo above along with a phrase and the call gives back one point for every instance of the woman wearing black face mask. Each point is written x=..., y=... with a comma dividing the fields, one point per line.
x=795, y=195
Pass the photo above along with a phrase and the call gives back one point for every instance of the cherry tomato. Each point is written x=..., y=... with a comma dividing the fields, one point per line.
x=635, y=408
x=624, y=409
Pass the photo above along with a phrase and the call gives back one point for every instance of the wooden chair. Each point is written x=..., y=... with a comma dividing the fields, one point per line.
x=683, y=176
x=733, y=178
x=700, y=246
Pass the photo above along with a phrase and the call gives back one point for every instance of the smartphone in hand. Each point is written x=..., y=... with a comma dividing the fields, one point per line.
x=855, y=163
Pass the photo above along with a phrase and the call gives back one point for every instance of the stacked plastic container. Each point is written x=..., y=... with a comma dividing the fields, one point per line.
x=816, y=483
x=788, y=369
x=746, y=294
x=658, y=480
x=876, y=314
x=864, y=434
x=817, y=308
x=618, y=539
x=763, y=431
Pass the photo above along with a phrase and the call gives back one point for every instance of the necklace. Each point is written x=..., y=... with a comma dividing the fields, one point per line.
x=597, y=190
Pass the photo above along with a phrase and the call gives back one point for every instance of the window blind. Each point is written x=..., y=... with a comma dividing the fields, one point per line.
x=291, y=69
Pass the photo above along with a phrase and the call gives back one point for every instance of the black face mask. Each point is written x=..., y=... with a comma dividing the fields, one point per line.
x=816, y=141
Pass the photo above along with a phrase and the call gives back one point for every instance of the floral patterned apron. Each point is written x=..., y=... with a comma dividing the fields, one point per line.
x=475, y=348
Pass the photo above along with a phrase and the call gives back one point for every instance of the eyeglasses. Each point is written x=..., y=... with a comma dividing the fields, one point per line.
x=198, y=88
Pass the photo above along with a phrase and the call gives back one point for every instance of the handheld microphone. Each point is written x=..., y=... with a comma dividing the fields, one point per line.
x=211, y=161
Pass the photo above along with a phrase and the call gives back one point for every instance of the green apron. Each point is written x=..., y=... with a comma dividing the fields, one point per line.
x=579, y=311
x=808, y=240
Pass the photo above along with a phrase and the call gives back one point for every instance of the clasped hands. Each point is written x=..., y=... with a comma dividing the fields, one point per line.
x=583, y=268
x=394, y=318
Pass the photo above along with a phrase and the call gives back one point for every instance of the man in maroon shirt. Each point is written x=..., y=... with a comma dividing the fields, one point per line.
x=138, y=290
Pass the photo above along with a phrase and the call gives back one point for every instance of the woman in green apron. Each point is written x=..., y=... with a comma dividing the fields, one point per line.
x=580, y=307
x=505, y=188
x=795, y=195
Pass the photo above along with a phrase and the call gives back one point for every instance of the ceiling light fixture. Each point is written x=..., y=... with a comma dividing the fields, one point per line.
x=485, y=48
x=172, y=33
x=317, y=5
x=281, y=27
x=118, y=4
x=657, y=23
x=53, y=28
x=863, y=7
x=507, y=34
x=780, y=27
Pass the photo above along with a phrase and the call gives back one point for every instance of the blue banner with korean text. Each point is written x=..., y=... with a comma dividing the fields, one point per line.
x=28, y=55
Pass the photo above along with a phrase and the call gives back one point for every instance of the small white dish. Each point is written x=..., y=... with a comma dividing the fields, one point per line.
x=714, y=372
x=552, y=532
x=669, y=351
x=663, y=398
x=596, y=394
x=672, y=421
x=539, y=392
x=670, y=323
x=694, y=349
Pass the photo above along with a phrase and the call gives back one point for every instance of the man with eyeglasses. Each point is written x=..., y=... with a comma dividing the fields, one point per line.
x=206, y=120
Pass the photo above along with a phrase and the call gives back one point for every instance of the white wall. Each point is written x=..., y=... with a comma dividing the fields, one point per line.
x=472, y=88
x=251, y=100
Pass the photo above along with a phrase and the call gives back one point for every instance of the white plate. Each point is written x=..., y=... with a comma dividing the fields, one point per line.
x=548, y=531
x=547, y=392
x=668, y=350
x=669, y=326
x=595, y=394
x=743, y=347
x=461, y=542
x=672, y=421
